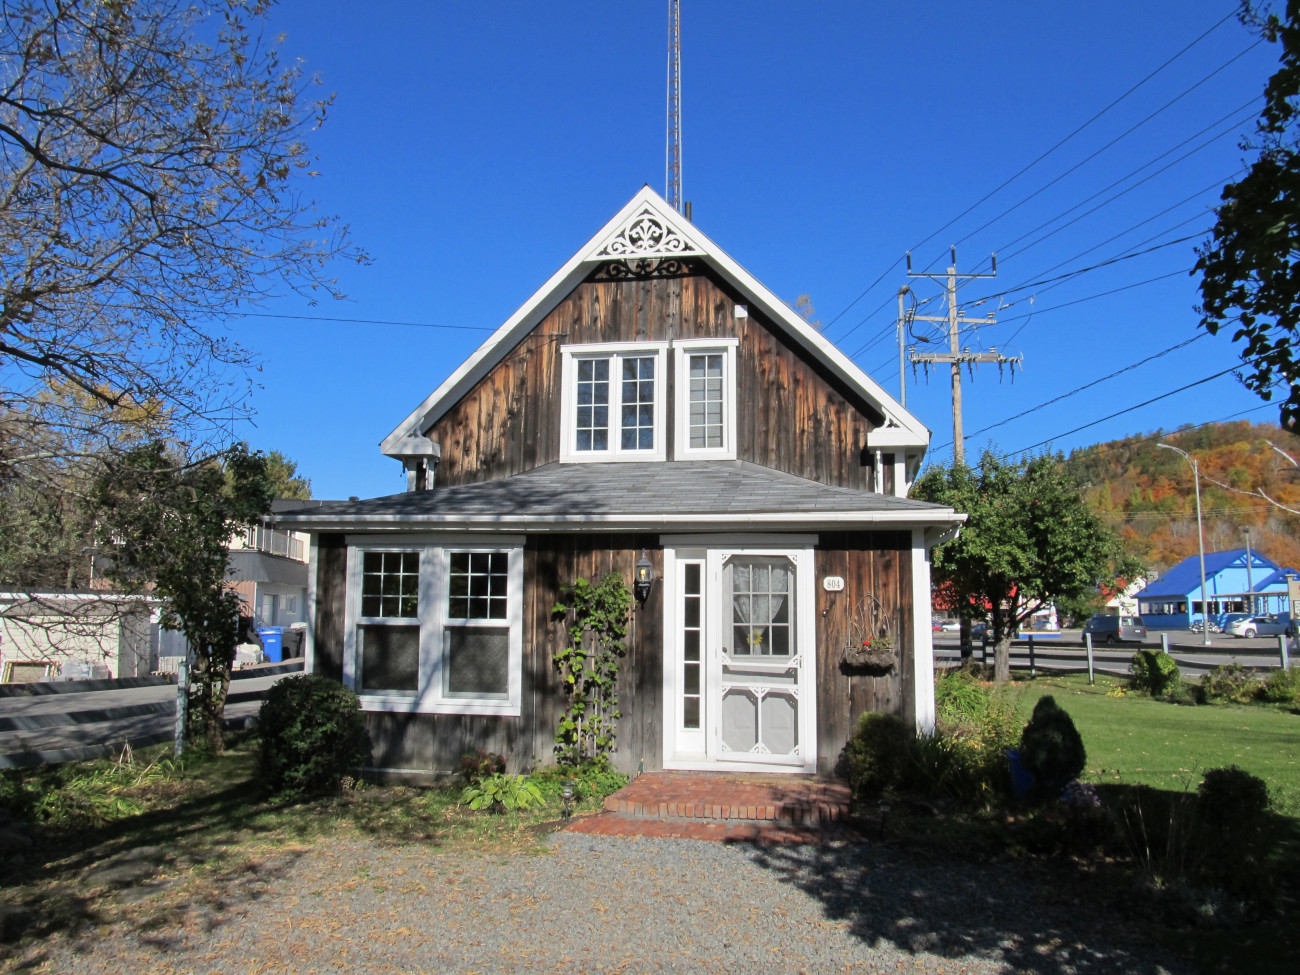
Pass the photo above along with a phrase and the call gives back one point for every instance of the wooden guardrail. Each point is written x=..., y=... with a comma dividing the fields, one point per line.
x=1052, y=653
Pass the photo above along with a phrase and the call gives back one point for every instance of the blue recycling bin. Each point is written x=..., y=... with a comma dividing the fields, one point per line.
x=272, y=642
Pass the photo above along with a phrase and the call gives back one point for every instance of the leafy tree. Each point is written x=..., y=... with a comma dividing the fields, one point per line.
x=1029, y=538
x=169, y=523
x=150, y=160
x=285, y=482
x=1250, y=276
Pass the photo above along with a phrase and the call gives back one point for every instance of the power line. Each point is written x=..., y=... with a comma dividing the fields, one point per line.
x=361, y=321
x=1130, y=409
x=1090, y=385
x=997, y=189
x=1094, y=118
x=1127, y=132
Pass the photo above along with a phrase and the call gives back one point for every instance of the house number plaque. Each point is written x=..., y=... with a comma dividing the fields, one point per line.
x=833, y=583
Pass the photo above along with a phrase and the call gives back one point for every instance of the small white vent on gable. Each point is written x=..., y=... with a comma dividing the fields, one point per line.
x=647, y=233
x=742, y=311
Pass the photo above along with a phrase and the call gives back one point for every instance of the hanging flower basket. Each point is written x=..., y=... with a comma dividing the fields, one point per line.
x=873, y=653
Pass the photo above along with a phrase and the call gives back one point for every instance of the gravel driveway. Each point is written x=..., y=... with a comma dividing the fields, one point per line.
x=598, y=904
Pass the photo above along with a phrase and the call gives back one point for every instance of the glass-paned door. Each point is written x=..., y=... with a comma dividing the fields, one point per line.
x=759, y=662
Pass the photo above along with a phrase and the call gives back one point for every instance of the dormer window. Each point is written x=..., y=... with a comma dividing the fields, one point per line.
x=613, y=407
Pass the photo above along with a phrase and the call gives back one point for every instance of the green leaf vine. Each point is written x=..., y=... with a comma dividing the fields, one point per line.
x=597, y=618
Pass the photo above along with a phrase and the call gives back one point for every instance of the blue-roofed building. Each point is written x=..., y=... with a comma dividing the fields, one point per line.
x=1232, y=585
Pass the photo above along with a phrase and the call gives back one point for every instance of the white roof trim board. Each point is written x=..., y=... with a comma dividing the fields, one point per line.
x=648, y=228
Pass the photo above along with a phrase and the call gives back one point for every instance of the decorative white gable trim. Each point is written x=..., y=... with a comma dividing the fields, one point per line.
x=647, y=228
x=647, y=233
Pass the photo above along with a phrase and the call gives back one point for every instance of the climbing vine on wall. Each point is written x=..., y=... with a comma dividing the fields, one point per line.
x=597, y=617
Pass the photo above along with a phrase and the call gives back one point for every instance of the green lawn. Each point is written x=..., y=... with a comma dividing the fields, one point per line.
x=1134, y=739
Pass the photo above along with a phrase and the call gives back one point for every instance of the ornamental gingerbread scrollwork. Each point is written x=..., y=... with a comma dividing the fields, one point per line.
x=647, y=234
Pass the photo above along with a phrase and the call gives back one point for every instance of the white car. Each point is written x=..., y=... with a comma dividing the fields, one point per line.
x=1253, y=626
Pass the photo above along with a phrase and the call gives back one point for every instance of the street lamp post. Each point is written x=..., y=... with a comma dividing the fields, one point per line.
x=1200, y=539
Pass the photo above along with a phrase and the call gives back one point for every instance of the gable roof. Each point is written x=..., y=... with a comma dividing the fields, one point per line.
x=1186, y=575
x=1278, y=578
x=648, y=228
x=667, y=495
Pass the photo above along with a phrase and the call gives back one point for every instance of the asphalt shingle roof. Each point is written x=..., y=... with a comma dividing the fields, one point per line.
x=722, y=488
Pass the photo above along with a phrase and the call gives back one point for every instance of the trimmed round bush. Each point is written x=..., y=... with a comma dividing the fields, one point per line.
x=1155, y=672
x=1233, y=799
x=312, y=736
x=877, y=753
x=1281, y=687
x=1051, y=748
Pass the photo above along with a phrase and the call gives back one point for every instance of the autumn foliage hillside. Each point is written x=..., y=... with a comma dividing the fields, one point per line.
x=1146, y=495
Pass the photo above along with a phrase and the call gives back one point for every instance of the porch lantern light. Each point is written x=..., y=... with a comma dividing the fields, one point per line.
x=645, y=575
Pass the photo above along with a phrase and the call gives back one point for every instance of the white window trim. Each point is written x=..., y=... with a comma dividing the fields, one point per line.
x=682, y=348
x=569, y=454
x=428, y=697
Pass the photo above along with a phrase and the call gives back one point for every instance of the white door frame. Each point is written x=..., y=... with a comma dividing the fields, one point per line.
x=682, y=749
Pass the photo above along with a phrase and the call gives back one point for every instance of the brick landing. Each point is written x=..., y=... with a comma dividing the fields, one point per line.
x=728, y=807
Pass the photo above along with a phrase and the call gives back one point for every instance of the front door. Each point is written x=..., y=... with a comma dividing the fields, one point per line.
x=739, y=666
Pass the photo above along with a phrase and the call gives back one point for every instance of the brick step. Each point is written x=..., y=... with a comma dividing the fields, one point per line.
x=789, y=800
x=795, y=813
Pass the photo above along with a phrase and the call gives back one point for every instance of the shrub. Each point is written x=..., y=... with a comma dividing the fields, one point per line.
x=1051, y=748
x=960, y=696
x=312, y=735
x=1233, y=800
x=479, y=765
x=592, y=779
x=877, y=754
x=1155, y=672
x=500, y=793
x=1281, y=687
x=1229, y=682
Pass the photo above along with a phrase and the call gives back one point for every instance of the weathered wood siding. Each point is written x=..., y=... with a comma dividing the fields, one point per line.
x=331, y=594
x=435, y=743
x=793, y=415
x=875, y=564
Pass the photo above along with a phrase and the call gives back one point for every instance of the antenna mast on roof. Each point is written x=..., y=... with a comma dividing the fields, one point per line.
x=674, y=174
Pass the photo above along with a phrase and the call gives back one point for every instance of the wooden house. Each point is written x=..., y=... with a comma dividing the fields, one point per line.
x=651, y=403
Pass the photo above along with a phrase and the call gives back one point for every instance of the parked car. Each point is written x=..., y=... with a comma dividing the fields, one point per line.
x=1113, y=629
x=1253, y=626
x=950, y=626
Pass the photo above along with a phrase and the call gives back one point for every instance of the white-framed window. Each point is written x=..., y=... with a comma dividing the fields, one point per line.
x=705, y=399
x=435, y=626
x=613, y=402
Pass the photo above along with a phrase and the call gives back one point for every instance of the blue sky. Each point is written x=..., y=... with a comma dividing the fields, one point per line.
x=474, y=147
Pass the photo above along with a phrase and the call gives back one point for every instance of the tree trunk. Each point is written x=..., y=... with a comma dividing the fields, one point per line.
x=1002, y=659
x=208, y=704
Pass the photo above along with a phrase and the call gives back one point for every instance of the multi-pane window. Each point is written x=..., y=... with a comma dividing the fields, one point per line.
x=388, y=633
x=613, y=402
x=705, y=406
x=706, y=403
x=692, y=631
x=638, y=420
x=476, y=646
x=760, y=592
x=592, y=412
x=436, y=629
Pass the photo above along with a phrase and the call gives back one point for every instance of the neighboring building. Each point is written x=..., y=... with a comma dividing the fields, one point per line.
x=268, y=568
x=652, y=403
x=1175, y=600
x=74, y=635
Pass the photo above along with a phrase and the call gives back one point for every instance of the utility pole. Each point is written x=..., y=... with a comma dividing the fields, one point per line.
x=956, y=355
x=902, y=378
x=673, y=177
